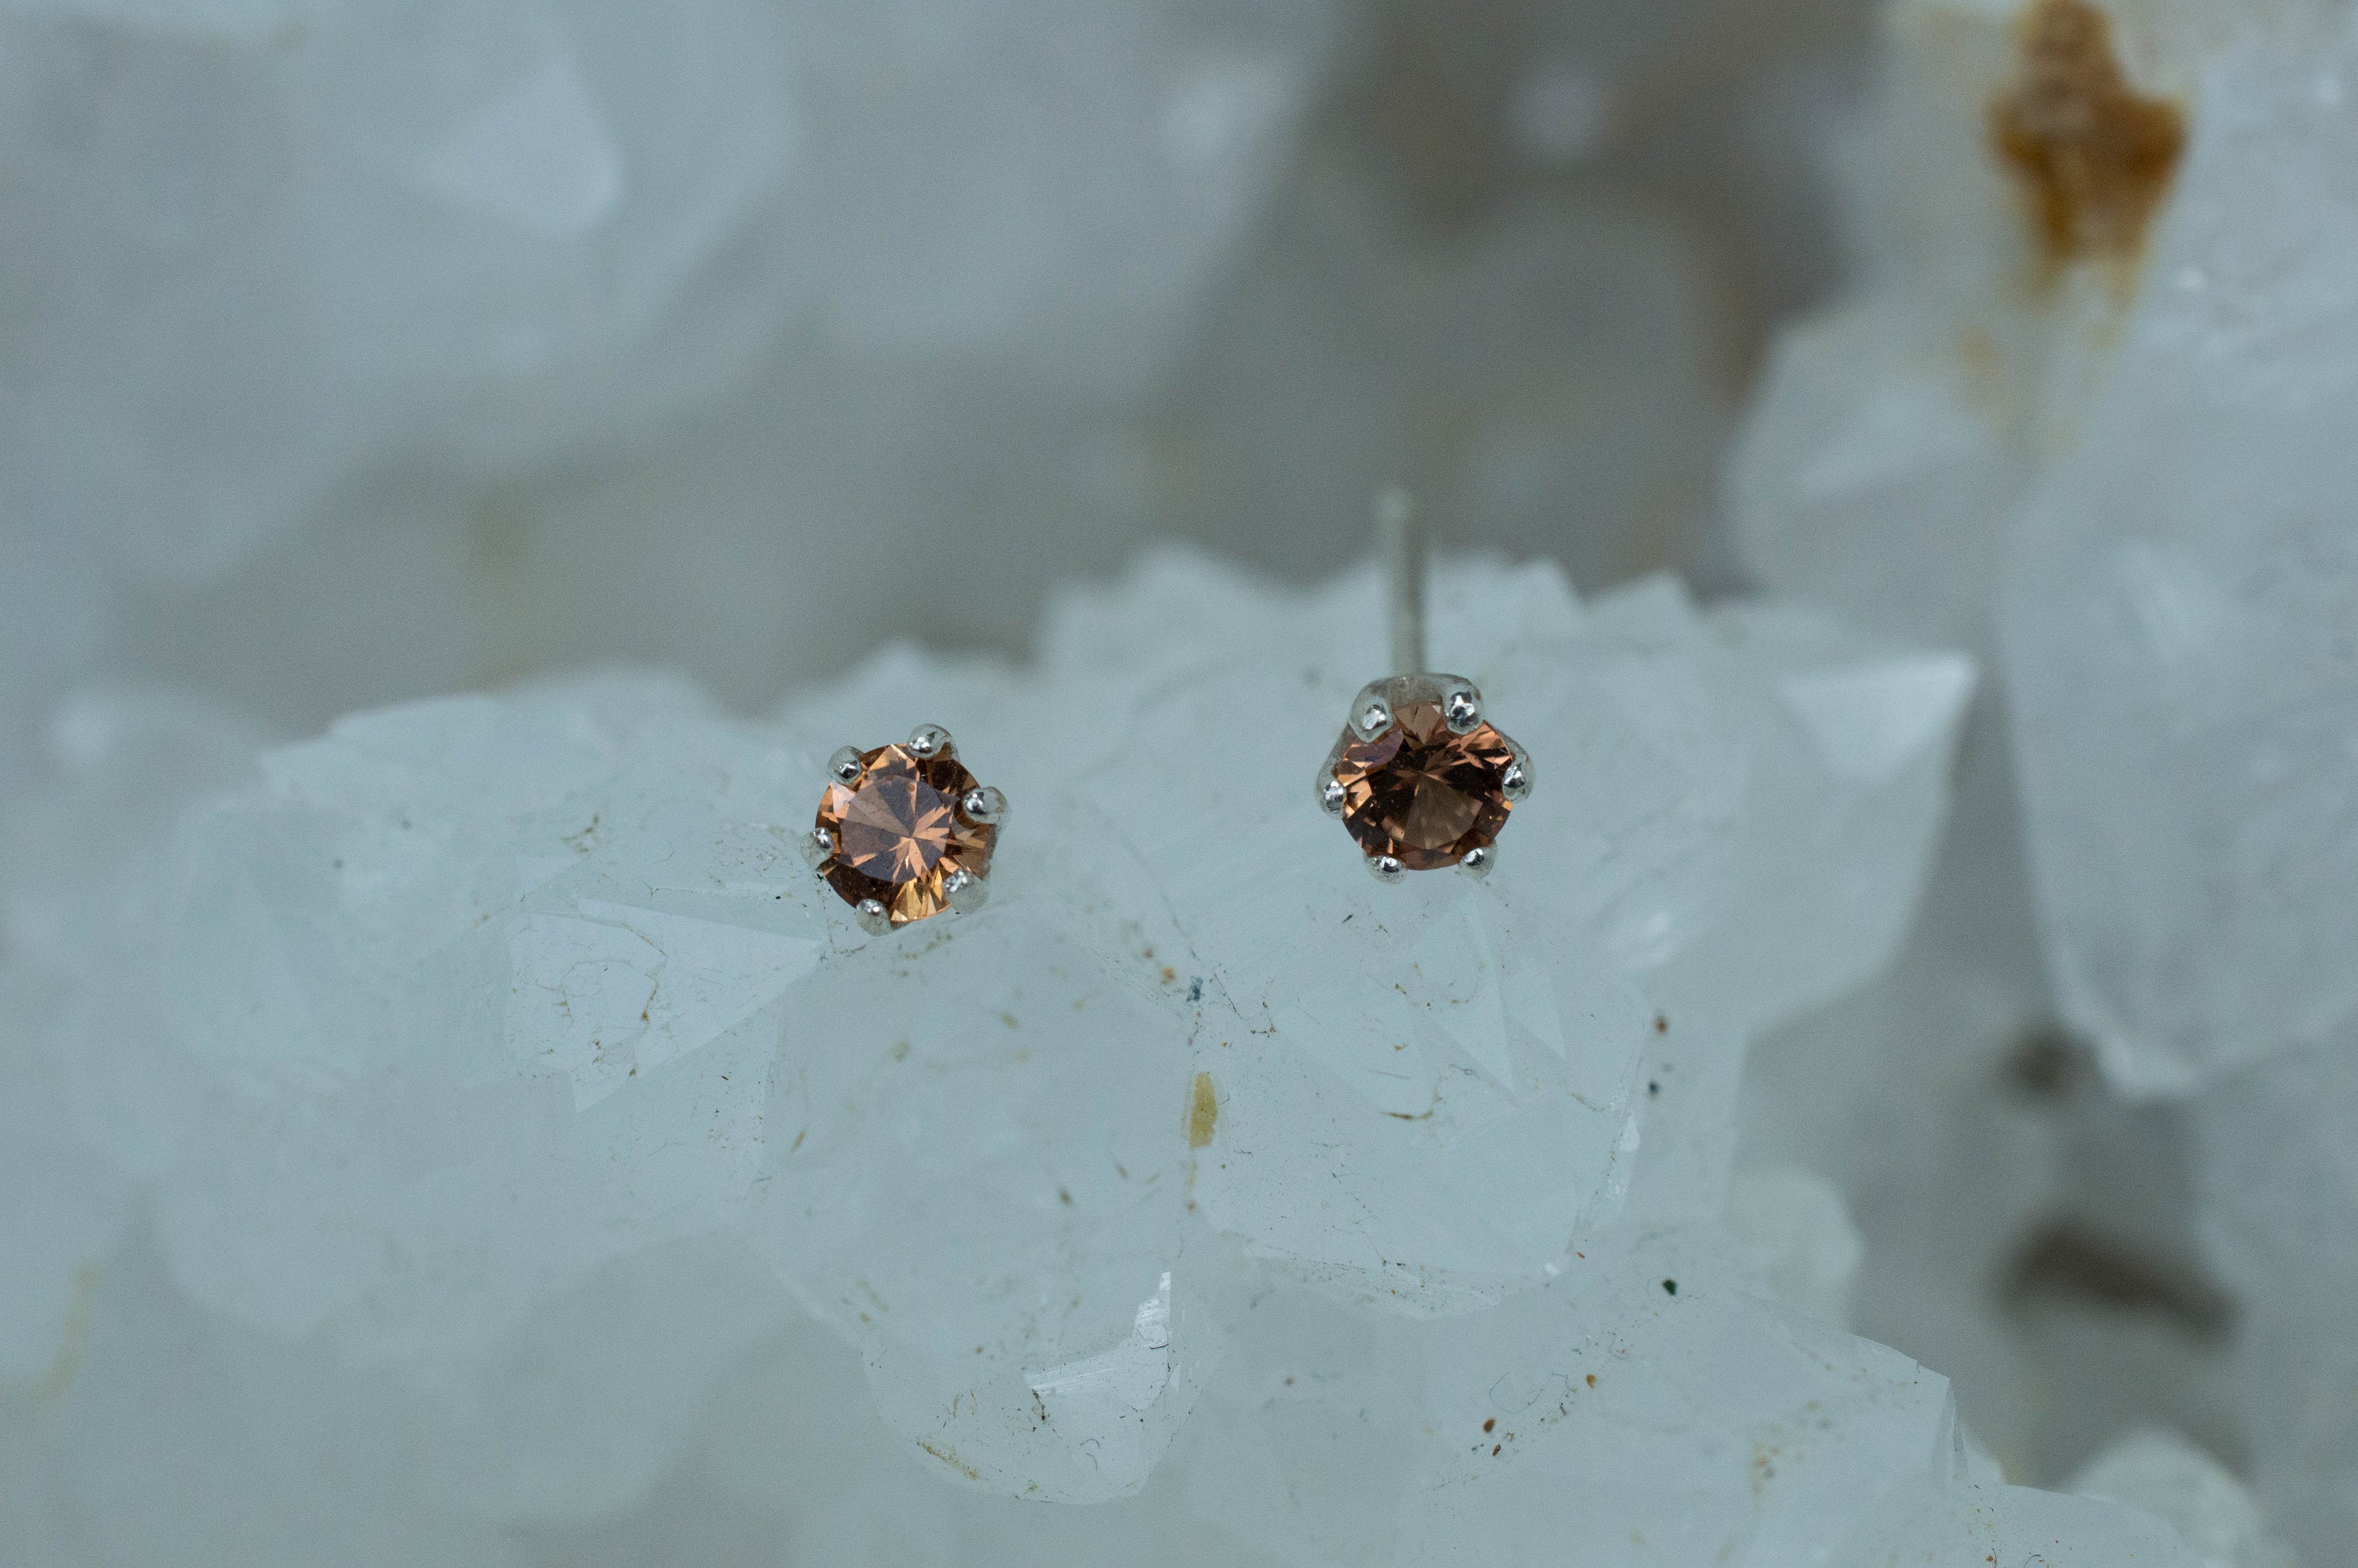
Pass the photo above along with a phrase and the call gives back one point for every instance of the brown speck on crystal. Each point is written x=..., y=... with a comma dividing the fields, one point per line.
x=2093, y=157
x=1419, y=792
x=896, y=835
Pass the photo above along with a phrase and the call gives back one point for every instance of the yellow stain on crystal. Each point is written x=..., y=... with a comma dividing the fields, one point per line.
x=1203, y=1112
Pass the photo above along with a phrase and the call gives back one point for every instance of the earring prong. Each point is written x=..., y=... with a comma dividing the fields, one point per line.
x=930, y=740
x=965, y=890
x=1461, y=708
x=845, y=765
x=983, y=804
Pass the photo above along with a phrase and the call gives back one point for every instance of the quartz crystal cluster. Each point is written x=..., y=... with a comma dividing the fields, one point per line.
x=2086, y=410
x=504, y=1105
x=479, y=1134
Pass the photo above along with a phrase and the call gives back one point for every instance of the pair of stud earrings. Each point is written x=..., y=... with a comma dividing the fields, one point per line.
x=1419, y=777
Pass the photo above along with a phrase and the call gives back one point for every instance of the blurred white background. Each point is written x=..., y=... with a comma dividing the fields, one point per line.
x=356, y=352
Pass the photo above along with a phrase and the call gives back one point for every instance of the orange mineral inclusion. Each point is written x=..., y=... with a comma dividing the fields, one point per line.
x=897, y=833
x=1421, y=794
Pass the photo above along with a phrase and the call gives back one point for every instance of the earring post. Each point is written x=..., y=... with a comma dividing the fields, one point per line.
x=1400, y=536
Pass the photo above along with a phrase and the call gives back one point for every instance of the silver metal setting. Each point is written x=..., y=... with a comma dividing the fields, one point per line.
x=817, y=846
x=983, y=804
x=1478, y=861
x=931, y=740
x=1386, y=868
x=1517, y=783
x=1461, y=708
x=967, y=892
x=844, y=767
x=1331, y=793
x=872, y=916
x=1371, y=715
x=1401, y=539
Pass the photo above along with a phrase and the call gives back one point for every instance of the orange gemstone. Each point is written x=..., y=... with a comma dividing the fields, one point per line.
x=896, y=834
x=1421, y=793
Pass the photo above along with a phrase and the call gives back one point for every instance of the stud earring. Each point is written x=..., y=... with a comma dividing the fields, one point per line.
x=904, y=832
x=1419, y=777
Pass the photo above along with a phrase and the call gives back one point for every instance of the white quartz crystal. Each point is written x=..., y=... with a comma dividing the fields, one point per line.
x=522, y=1072
x=1423, y=1092
x=1800, y=1235
x=2147, y=437
x=2280, y=1207
x=1889, y=436
x=2164, y=1475
x=1902, y=1094
x=2178, y=612
x=2124, y=473
x=1643, y=1407
x=792, y=1453
x=1896, y=430
x=978, y=1168
x=1721, y=767
x=92, y=1109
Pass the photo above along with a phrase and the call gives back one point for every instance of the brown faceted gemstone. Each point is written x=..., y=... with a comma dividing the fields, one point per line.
x=1421, y=794
x=897, y=833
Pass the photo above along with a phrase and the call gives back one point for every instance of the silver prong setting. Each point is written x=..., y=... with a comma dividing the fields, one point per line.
x=927, y=741
x=1515, y=784
x=872, y=916
x=966, y=891
x=1371, y=719
x=1331, y=796
x=817, y=845
x=1386, y=868
x=984, y=805
x=1461, y=710
x=1477, y=861
x=845, y=766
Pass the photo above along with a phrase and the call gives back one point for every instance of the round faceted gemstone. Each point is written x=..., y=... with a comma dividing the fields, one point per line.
x=1421, y=794
x=897, y=834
